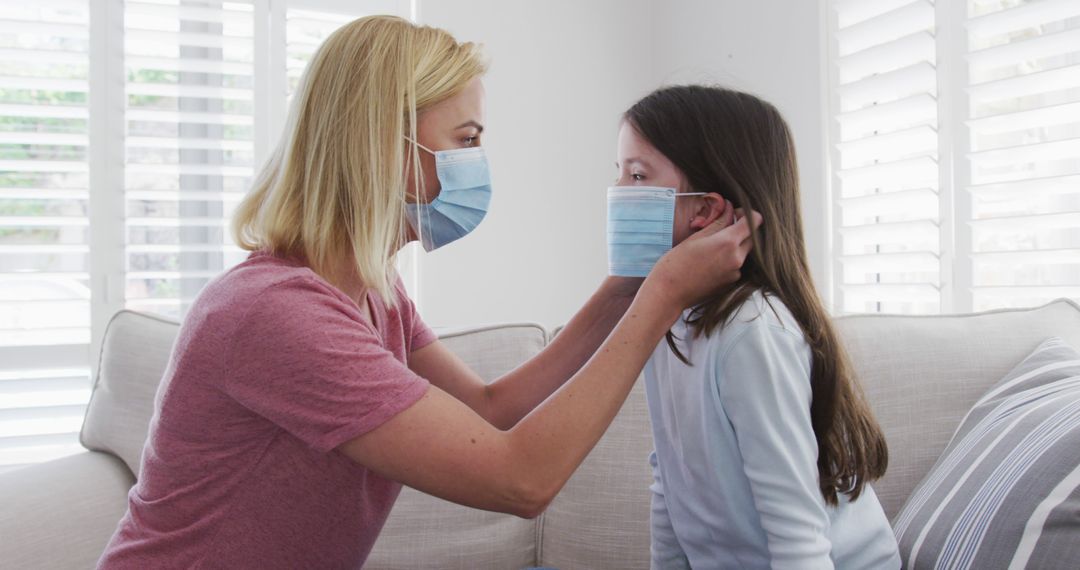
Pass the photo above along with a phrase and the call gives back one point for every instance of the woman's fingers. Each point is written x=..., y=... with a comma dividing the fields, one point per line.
x=746, y=244
x=740, y=231
x=728, y=216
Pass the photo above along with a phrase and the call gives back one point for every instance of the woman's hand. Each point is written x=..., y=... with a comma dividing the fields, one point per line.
x=705, y=261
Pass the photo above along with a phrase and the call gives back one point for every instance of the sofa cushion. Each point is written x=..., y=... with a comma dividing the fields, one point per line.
x=427, y=532
x=1006, y=492
x=134, y=355
x=601, y=517
x=61, y=513
x=922, y=373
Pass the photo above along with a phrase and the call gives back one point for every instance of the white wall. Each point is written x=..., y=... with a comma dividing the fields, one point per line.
x=562, y=71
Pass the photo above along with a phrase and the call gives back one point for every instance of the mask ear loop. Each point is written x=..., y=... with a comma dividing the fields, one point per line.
x=419, y=182
x=417, y=143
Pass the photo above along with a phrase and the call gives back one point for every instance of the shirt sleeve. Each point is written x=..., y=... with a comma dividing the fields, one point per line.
x=307, y=360
x=764, y=388
x=419, y=333
x=665, y=550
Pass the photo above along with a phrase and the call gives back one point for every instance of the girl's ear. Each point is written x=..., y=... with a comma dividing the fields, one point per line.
x=710, y=209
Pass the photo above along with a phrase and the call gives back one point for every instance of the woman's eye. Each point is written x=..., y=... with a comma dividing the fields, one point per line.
x=470, y=141
x=637, y=177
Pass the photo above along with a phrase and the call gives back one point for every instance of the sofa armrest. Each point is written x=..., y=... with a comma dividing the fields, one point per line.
x=61, y=514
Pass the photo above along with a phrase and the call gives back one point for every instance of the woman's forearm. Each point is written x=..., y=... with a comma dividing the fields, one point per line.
x=517, y=393
x=558, y=434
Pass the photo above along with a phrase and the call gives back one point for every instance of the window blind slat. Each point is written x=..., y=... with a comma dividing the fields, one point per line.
x=1023, y=16
x=897, y=175
x=1037, y=257
x=193, y=65
x=903, y=21
x=66, y=85
x=912, y=111
x=192, y=91
x=42, y=55
x=57, y=111
x=38, y=249
x=888, y=233
x=850, y=12
x=1048, y=116
x=1035, y=152
x=889, y=86
x=882, y=58
x=44, y=28
x=1034, y=187
x=165, y=116
x=921, y=140
x=1031, y=84
x=136, y=36
x=1038, y=47
x=33, y=138
x=1063, y=220
x=885, y=262
x=919, y=199
x=189, y=12
x=893, y=292
x=190, y=143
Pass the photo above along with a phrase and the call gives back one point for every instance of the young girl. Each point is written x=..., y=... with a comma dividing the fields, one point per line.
x=764, y=445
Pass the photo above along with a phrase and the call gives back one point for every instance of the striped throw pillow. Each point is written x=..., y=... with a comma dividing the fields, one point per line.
x=1006, y=491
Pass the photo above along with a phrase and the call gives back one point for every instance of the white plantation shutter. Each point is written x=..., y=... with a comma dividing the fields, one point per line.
x=44, y=229
x=189, y=145
x=957, y=182
x=135, y=126
x=886, y=156
x=1024, y=156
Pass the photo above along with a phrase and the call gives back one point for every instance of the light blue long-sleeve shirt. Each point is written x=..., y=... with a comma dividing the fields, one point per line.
x=735, y=467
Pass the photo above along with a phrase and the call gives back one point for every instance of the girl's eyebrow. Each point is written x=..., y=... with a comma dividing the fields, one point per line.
x=633, y=160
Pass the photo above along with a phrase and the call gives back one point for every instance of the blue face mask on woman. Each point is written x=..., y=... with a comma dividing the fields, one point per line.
x=639, y=227
x=462, y=202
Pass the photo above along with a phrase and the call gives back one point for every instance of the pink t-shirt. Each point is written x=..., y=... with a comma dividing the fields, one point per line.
x=273, y=369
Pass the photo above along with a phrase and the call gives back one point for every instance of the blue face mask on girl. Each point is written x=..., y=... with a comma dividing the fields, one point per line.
x=462, y=203
x=639, y=227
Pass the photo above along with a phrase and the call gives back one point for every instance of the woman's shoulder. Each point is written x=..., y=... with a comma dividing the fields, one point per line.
x=269, y=284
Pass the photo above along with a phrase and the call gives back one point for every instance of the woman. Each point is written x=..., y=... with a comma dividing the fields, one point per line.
x=304, y=389
x=765, y=448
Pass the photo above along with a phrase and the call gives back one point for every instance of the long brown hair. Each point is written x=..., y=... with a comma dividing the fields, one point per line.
x=739, y=146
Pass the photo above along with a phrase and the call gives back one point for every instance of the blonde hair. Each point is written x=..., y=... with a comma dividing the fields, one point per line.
x=335, y=185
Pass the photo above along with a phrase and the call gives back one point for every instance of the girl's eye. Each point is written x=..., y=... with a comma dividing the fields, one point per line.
x=470, y=141
x=637, y=177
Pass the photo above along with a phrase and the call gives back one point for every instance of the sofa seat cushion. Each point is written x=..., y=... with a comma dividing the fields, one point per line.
x=61, y=513
x=601, y=517
x=1006, y=491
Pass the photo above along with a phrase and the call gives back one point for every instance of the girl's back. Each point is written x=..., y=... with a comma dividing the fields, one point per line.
x=735, y=466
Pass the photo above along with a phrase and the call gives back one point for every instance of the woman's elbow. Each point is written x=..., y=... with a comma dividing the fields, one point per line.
x=529, y=501
x=526, y=496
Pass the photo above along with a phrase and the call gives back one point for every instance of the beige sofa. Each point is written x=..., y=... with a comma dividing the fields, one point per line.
x=920, y=373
